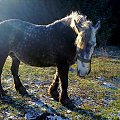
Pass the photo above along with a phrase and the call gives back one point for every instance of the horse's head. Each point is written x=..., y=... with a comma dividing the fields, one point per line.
x=85, y=44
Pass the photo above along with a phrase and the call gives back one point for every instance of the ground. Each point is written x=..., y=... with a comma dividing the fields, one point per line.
x=96, y=97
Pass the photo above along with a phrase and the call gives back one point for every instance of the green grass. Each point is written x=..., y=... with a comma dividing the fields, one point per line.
x=88, y=90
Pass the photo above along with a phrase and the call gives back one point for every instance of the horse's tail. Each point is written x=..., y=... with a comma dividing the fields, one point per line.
x=4, y=39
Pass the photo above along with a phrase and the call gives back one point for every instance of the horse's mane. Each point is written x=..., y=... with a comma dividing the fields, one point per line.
x=75, y=16
x=80, y=20
x=84, y=24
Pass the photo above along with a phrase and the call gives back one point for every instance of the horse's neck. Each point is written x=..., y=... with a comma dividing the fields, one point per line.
x=67, y=21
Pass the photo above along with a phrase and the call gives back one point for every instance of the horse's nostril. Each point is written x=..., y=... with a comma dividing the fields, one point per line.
x=81, y=74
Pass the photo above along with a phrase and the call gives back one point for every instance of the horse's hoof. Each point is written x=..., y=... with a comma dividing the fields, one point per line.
x=55, y=98
x=54, y=94
x=67, y=103
x=22, y=91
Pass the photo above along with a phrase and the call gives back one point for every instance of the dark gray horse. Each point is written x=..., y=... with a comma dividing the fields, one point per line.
x=58, y=44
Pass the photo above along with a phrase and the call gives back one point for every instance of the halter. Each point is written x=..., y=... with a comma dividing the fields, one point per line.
x=83, y=60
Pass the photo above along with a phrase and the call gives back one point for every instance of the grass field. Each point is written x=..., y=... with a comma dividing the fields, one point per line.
x=96, y=97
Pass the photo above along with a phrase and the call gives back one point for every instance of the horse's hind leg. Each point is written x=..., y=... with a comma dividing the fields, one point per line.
x=14, y=69
x=2, y=61
x=53, y=89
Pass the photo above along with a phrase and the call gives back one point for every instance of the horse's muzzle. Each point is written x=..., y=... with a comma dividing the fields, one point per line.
x=81, y=74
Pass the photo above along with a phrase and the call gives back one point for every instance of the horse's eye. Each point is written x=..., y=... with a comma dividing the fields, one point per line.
x=91, y=43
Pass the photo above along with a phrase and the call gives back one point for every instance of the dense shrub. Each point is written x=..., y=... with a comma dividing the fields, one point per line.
x=46, y=11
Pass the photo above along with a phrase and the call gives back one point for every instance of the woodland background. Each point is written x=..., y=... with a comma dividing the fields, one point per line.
x=97, y=96
x=47, y=11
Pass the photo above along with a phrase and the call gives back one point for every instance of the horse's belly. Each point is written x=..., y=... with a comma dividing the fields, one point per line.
x=38, y=62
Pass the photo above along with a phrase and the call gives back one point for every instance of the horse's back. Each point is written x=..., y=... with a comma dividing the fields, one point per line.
x=11, y=31
x=12, y=25
x=15, y=22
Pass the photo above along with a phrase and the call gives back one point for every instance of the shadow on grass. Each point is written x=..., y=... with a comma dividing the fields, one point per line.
x=22, y=107
x=87, y=113
x=10, y=101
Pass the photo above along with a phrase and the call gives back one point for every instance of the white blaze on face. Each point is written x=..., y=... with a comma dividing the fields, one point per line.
x=83, y=68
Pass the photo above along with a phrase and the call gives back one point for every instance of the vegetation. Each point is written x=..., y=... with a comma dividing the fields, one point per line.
x=96, y=97
x=45, y=11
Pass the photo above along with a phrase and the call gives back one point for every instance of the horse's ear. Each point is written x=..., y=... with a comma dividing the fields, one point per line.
x=97, y=26
x=78, y=27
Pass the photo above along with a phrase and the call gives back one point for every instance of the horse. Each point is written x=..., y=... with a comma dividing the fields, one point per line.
x=60, y=44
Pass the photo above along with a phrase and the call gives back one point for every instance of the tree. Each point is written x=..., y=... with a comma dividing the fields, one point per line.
x=47, y=11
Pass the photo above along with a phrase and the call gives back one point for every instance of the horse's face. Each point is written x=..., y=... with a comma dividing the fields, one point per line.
x=85, y=43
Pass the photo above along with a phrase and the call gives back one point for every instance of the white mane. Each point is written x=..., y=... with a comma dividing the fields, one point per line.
x=79, y=18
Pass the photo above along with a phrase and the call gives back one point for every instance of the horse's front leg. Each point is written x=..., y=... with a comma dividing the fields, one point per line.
x=63, y=74
x=53, y=89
